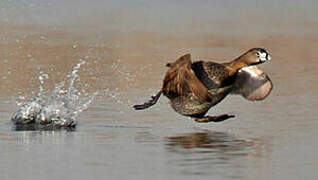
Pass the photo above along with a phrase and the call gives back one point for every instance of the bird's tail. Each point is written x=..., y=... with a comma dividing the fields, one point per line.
x=149, y=103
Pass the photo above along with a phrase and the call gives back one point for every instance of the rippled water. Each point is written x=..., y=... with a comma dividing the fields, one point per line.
x=126, y=45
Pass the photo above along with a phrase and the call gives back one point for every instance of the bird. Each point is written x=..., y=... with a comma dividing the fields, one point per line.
x=195, y=87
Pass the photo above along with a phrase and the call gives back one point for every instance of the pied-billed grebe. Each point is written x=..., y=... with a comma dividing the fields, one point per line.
x=193, y=88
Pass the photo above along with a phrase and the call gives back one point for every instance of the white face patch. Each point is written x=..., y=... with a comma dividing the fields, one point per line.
x=263, y=56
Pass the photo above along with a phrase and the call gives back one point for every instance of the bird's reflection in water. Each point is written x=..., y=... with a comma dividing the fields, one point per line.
x=216, y=153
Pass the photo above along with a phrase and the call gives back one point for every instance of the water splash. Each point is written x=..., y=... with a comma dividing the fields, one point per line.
x=58, y=108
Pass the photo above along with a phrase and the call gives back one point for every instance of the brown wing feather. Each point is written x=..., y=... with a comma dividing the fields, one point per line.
x=253, y=84
x=180, y=79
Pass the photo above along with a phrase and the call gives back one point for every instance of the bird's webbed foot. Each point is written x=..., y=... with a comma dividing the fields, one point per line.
x=219, y=118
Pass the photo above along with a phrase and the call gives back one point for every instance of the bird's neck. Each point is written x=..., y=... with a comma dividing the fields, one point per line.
x=236, y=64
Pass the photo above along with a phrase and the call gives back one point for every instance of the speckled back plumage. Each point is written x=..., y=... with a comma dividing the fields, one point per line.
x=213, y=75
x=214, y=79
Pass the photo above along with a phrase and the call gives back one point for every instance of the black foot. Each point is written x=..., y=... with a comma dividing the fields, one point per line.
x=149, y=103
x=141, y=106
x=219, y=118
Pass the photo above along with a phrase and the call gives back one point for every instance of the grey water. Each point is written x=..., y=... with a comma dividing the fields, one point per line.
x=125, y=46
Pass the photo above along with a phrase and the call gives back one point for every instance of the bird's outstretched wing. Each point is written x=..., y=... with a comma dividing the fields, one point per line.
x=252, y=83
x=180, y=79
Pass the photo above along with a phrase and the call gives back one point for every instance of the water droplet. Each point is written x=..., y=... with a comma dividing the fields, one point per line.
x=75, y=46
x=58, y=107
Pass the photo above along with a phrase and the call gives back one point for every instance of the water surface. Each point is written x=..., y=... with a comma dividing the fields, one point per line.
x=125, y=46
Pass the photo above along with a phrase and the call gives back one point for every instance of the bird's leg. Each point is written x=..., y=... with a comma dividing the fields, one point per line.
x=219, y=118
x=149, y=103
